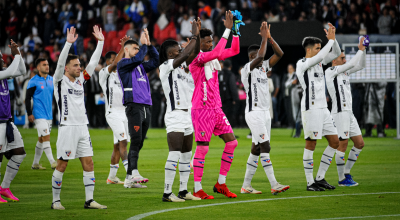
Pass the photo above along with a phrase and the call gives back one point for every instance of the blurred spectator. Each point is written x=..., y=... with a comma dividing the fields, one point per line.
x=228, y=91
x=110, y=15
x=372, y=7
x=303, y=16
x=57, y=37
x=12, y=26
x=352, y=12
x=203, y=8
x=185, y=26
x=206, y=22
x=37, y=26
x=274, y=96
x=49, y=26
x=360, y=6
x=340, y=10
x=293, y=10
x=55, y=53
x=255, y=13
x=163, y=29
x=290, y=80
x=157, y=98
x=30, y=41
x=327, y=15
x=131, y=31
x=91, y=48
x=65, y=14
x=273, y=16
x=136, y=11
x=145, y=23
x=245, y=11
x=313, y=16
x=375, y=99
x=25, y=29
x=395, y=21
x=341, y=27
x=69, y=24
x=216, y=11
x=384, y=22
x=81, y=20
x=242, y=100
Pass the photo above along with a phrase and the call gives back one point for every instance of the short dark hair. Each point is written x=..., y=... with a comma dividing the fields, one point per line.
x=129, y=42
x=204, y=32
x=164, y=49
x=71, y=57
x=109, y=54
x=253, y=47
x=38, y=60
x=310, y=41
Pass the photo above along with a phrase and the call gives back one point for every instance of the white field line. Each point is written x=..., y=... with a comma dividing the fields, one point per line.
x=144, y=215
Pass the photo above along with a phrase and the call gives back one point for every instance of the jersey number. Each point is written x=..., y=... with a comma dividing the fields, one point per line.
x=226, y=120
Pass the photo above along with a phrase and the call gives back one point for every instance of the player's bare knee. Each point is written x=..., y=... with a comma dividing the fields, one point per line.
x=359, y=145
x=45, y=138
x=255, y=149
x=62, y=165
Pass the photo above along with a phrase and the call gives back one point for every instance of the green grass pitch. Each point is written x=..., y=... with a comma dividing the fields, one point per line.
x=377, y=170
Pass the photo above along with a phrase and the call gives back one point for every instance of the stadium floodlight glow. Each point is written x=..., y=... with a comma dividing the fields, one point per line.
x=382, y=65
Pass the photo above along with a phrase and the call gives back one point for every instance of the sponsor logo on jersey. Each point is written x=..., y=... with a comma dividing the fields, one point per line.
x=342, y=158
x=312, y=90
x=320, y=64
x=122, y=134
x=315, y=133
x=70, y=91
x=174, y=165
x=344, y=81
x=45, y=130
x=203, y=133
x=176, y=90
x=230, y=157
x=346, y=133
x=262, y=136
x=65, y=118
x=311, y=164
x=201, y=162
x=136, y=128
x=93, y=179
x=58, y=183
x=342, y=91
x=65, y=105
x=205, y=92
x=262, y=81
x=267, y=160
x=255, y=92
x=68, y=153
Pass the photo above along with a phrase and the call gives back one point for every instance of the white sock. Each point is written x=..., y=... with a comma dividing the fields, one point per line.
x=135, y=173
x=269, y=170
x=170, y=170
x=340, y=164
x=113, y=171
x=221, y=179
x=197, y=186
x=125, y=163
x=184, y=170
x=251, y=168
x=353, y=155
x=88, y=181
x=326, y=160
x=38, y=153
x=308, y=163
x=47, y=151
x=56, y=181
x=12, y=170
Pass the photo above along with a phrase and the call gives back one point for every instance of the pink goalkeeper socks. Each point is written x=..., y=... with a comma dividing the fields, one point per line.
x=198, y=162
x=227, y=157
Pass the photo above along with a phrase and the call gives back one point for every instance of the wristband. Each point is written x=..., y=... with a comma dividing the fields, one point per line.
x=226, y=34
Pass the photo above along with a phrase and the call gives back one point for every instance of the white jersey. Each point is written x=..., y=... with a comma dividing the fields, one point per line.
x=256, y=85
x=111, y=85
x=175, y=83
x=311, y=77
x=338, y=82
x=70, y=95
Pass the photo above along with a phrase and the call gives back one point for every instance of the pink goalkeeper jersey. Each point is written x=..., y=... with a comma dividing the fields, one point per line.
x=206, y=92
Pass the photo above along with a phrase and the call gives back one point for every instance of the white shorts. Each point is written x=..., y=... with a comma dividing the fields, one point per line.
x=73, y=142
x=43, y=127
x=347, y=125
x=4, y=145
x=179, y=121
x=259, y=123
x=318, y=123
x=119, y=125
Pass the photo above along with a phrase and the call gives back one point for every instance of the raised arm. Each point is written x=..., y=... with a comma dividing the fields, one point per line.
x=330, y=34
x=94, y=60
x=263, y=47
x=119, y=56
x=71, y=38
x=351, y=64
x=278, y=53
x=333, y=54
x=12, y=70
x=196, y=49
x=128, y=64
x=361, y=64
x=183, y=56
x=153, y=53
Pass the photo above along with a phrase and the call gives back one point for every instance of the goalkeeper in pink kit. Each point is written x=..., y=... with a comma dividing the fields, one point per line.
x=207, y=115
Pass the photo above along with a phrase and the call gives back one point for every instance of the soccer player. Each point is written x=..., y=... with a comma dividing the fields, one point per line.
x=338, y=83
x=11, y=143
x=73, y=139
x=132, y=72
x=41, y=89
x=317, y=120
x=115, y=111
x=177, y=118
x=255, y=81
x=207, y=114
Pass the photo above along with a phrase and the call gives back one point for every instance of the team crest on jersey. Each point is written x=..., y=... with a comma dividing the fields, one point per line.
x=174, y=165
x=356, y=154
x=262, y=136
x=230, y=157
x=346, y=133
x=267, y=160
x=311, y=164
x=68, y=153
x=45, y=130
x=93, y=179
x=136, y=128
x=203, y=133
x=344, y=82
x=78, y=82
x=65, y=118
x=315, y=133
x=259, y=80
x=320, y=65
x=201, y=162
x=122, y=134
x=58, y=183
x=256, y=162
x=342, y=158
x=330, y=160
x=179, y=103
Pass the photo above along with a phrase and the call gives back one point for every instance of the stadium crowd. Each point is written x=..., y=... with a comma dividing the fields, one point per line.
x=39, y=28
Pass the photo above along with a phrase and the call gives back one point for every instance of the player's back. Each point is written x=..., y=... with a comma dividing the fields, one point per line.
x=70, y=99
x=206, y=92
x=312, y=81
x=111, y=85
x=339, y=89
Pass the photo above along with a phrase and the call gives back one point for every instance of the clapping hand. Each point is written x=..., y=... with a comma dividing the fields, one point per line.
x=97, y=33
x=14, y=48
x=229, y=20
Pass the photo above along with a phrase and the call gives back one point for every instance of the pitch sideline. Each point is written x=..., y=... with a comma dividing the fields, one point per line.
x=144, y=215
